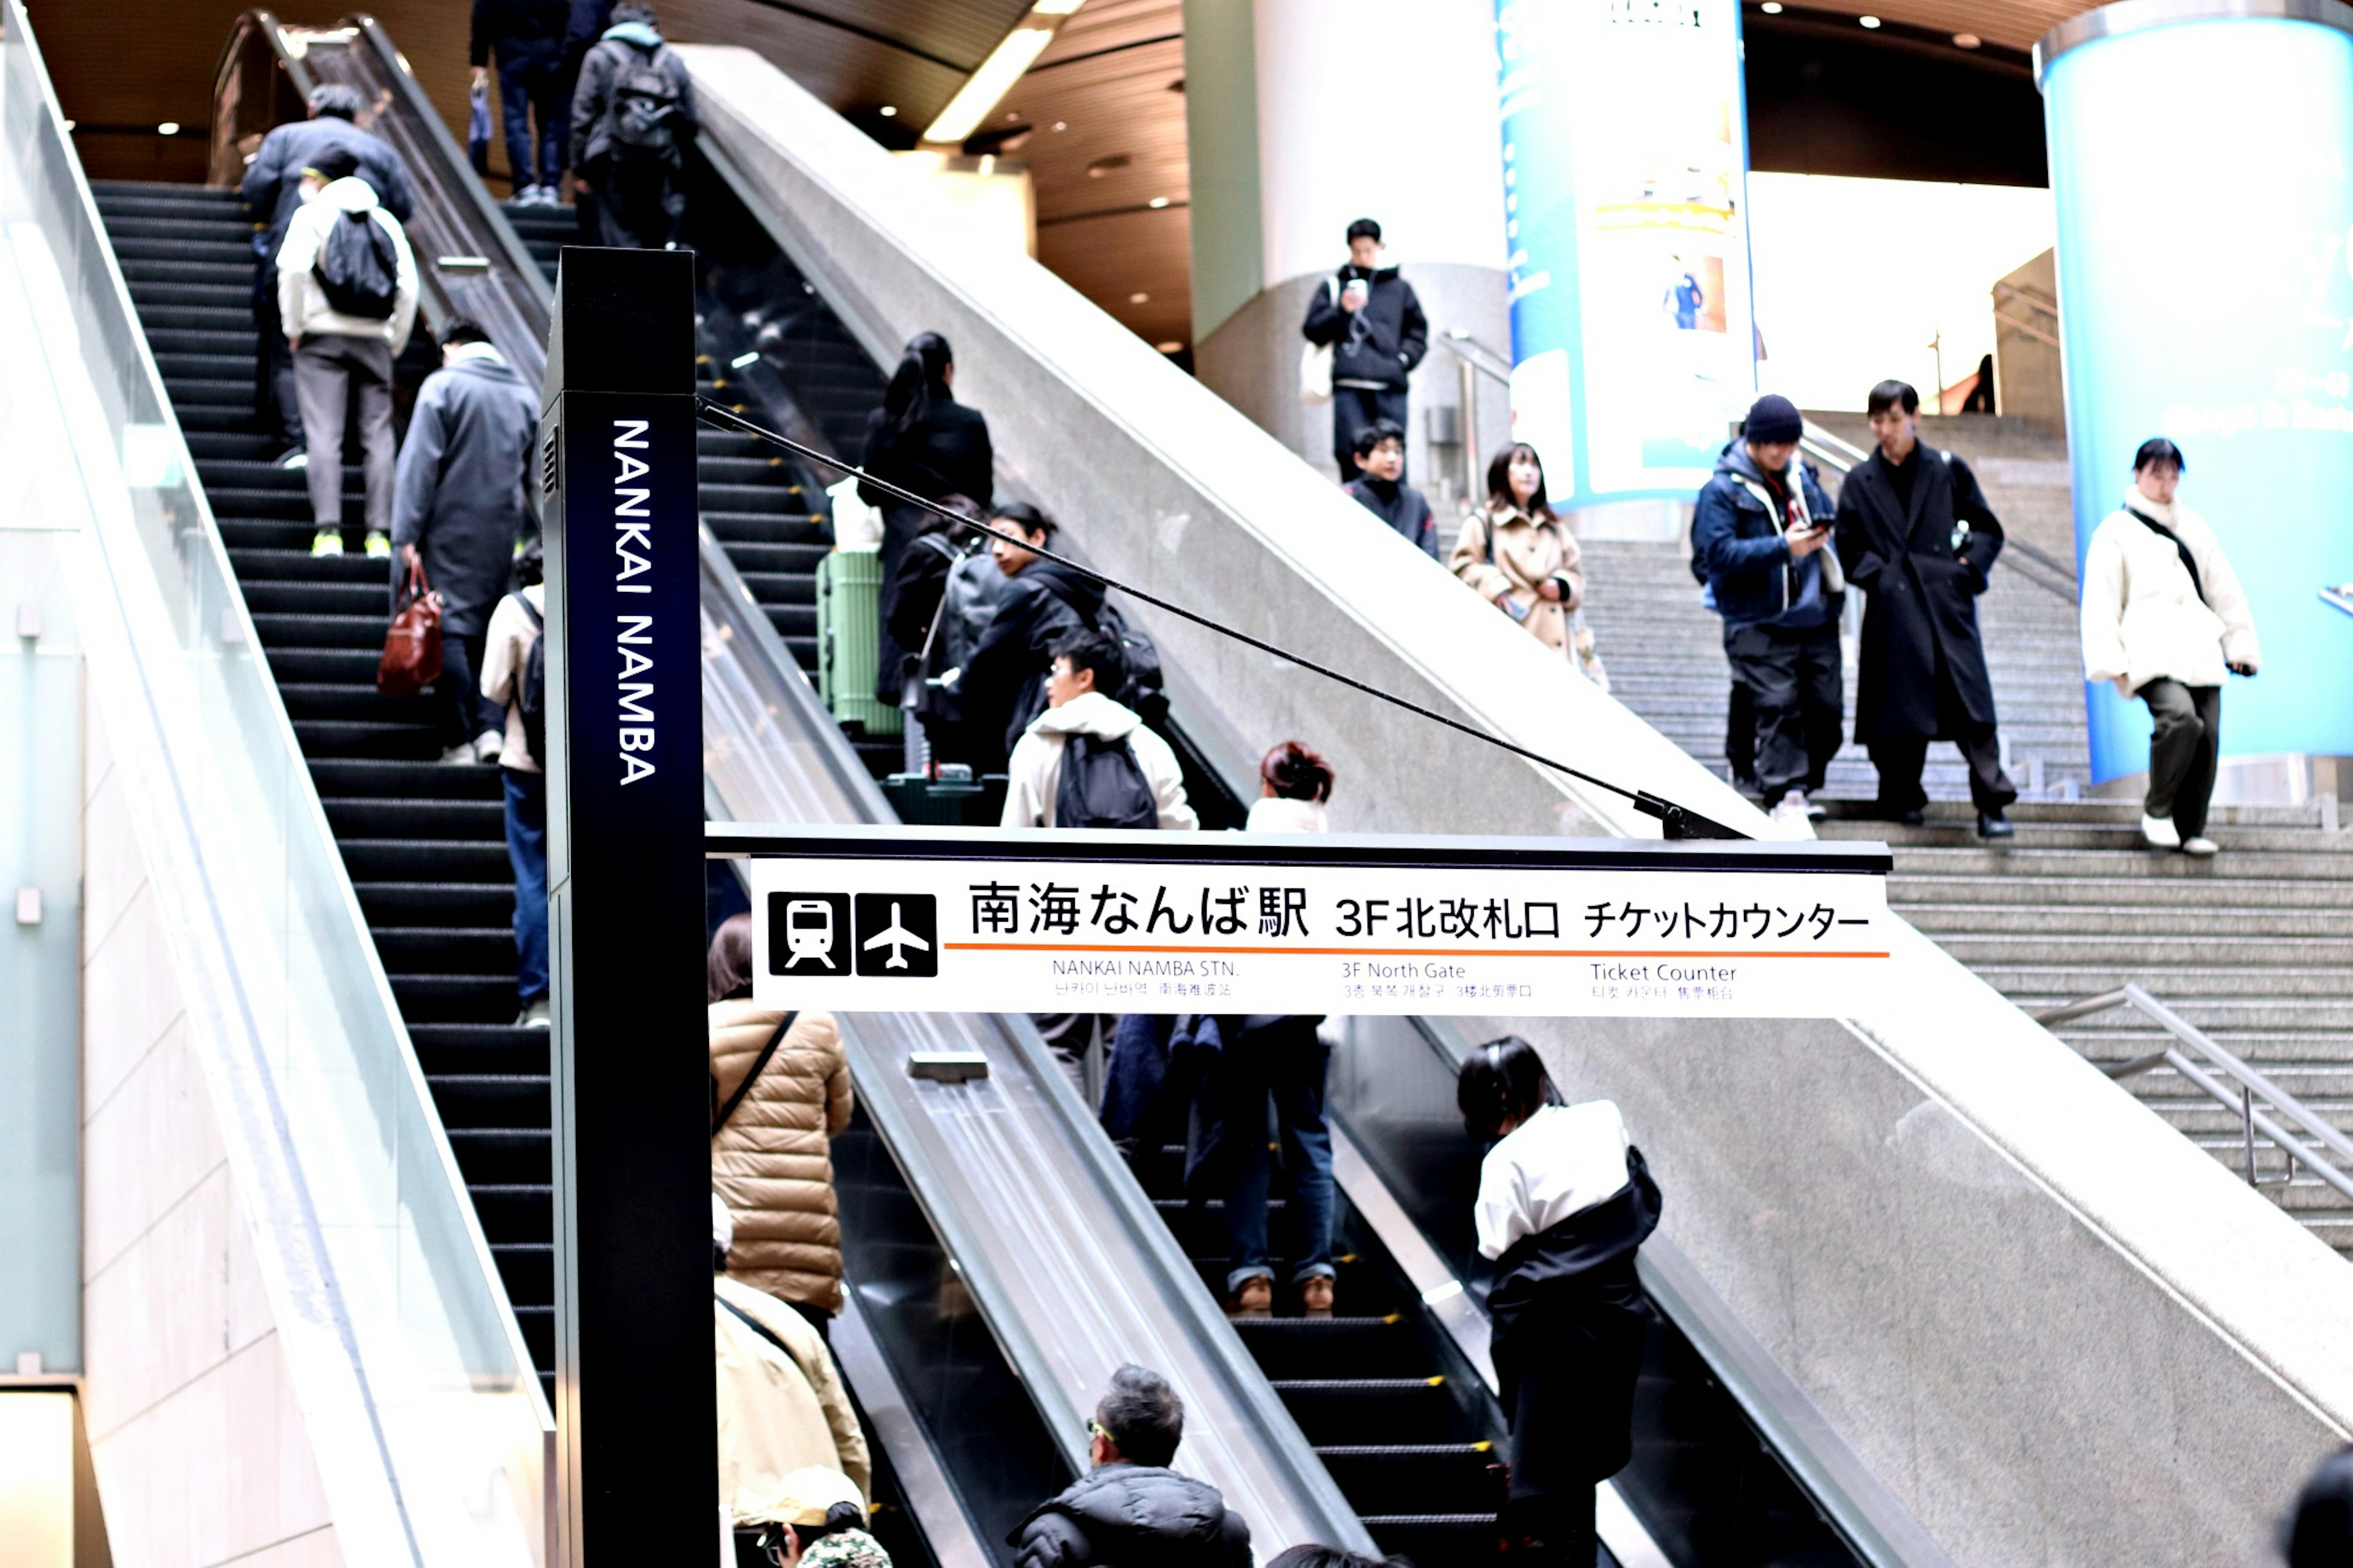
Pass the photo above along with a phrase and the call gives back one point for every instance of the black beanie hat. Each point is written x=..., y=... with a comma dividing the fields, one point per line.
x=1772, y=418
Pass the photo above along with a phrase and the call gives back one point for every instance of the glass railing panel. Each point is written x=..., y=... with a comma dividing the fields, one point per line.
x=426, y=1414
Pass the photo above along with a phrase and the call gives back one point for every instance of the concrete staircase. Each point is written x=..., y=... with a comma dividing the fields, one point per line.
x=2255, y=947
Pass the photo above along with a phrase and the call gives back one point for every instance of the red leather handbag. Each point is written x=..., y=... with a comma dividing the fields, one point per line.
x=412, y=644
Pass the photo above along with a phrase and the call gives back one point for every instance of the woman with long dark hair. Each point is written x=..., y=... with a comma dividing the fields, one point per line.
x=1564, y=1199
x=1518, y=553
x=922, y=440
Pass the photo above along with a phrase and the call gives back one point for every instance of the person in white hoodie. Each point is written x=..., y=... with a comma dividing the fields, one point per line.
x=2165, y=619
x=1125, y=776
x=347, y=299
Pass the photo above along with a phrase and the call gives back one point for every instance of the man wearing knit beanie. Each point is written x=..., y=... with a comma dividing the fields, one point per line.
x=1757, y=532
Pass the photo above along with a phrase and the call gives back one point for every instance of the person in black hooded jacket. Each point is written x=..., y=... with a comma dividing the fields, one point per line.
x=1372, y=318
x=1130, y=1509
x=1565, y=1200
x=921, y=440
x=1004, y=686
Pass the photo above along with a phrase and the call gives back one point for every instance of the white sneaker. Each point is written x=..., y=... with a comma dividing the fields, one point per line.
x=2199, y=846
x=379, y=545
x=327, y=541
x=461, y=752
x=489, y=746
x=1793, y=811
x=2158, y=833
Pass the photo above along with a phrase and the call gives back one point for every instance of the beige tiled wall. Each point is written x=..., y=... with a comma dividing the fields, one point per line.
x=200, y=1447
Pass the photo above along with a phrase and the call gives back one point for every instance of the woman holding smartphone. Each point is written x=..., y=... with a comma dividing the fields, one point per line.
x=1516, y=551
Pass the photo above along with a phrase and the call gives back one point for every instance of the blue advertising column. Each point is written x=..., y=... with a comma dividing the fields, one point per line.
x=1626, y=218
x=2200, y=157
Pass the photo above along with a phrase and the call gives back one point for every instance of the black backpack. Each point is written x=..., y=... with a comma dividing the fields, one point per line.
x=358, y=267
x=643, y=111
x=1102, y=785
x=1142, y=688
x=530, y=689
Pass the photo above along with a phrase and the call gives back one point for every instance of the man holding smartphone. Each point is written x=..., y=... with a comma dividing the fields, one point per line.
x=1373, y=321
x=1915, y=533
x=1758, y=534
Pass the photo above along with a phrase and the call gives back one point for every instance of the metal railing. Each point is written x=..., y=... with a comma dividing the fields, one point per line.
x=2231, y=1083
x=1473, y=359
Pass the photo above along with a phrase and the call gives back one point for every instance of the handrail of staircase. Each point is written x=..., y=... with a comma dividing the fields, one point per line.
x=2250, y=1084
x=1457, y=341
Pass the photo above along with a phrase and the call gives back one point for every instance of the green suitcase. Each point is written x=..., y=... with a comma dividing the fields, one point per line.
x=850, y=640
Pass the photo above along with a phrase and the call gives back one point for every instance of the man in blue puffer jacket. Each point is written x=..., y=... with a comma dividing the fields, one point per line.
x=1759, y=533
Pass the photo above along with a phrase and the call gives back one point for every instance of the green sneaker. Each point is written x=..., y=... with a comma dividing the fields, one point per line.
x=327, y=541
x=379, y=545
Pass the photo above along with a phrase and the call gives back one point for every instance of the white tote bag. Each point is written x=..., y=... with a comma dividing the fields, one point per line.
x=1315, y=370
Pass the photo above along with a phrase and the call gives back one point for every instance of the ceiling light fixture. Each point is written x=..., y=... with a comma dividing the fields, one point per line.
x=1139, y=299
x=1966, y=41
x=1158, y=202
x=1171, y=347
x=1061, y=125
x=169, y=128
x=1868, y=21
x=1771, y=7
x=888, y=112
x=1013, y=55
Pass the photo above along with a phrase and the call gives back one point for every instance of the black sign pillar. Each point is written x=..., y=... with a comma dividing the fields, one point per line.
x=635, y=1414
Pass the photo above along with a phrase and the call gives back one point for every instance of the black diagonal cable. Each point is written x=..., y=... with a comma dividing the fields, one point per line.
x=1679, y=821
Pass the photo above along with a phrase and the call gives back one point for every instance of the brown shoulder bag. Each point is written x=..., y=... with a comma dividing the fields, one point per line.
x=412, y=644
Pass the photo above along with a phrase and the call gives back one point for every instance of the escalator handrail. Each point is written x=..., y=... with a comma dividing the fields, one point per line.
x=1872, y=1519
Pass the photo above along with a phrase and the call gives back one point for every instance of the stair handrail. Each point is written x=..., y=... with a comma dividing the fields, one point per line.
x=2251, y=1083
x=1486, y=361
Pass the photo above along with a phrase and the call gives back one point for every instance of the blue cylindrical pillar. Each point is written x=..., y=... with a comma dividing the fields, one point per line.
x=2199, y=154
x=1625, y=177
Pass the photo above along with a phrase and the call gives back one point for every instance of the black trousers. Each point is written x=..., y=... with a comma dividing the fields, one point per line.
x=640, y=200
x=1798, y=695
x=1900, y=758
x=274, y=407
x=465, y=712
x=2183, y=751
x=1825, y=734
x=1353, y=408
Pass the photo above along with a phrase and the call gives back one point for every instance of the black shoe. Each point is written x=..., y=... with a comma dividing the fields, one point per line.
x=1911, y=817
x=1994, y=825
x=1746, y=784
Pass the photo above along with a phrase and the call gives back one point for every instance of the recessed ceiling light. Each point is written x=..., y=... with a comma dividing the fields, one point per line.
x=1139, y=299
x=888, y=112
x=1109, y=164
x=1158, y=202
x=1868, y=21
x=69, y=124
x=1966, y=41
x=1771, y=7
x=1170, y=347
x=1012, y=115
x=169, y=128
x=1061, y=125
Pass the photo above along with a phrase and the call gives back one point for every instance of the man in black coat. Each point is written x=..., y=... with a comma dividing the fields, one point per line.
x=1130, y=1508
x=1373, y=321
x=1003, y=689
x=1915, y=533
x=274, y=192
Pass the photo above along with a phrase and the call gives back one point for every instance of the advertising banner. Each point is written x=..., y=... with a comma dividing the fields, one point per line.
x=2206, y=294
x=1626, y=217
x=1003, y=921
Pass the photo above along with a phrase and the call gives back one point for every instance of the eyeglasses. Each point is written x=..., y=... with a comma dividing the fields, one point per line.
x=1094, y=1428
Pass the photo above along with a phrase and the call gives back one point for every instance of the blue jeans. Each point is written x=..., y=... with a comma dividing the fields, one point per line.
x=531, y=76
x=527, y=852
x=1284, y=1061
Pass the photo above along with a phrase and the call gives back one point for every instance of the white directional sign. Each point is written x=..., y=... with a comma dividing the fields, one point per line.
x=987, y=921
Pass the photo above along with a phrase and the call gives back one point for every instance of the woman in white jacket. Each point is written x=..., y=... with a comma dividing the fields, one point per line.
x=2164, y=618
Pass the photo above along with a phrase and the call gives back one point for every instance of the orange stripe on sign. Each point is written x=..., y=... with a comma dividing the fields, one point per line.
x=1387, y=952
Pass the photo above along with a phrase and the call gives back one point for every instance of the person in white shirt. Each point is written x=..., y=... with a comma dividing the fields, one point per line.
x=515, y=626
x=1564, y=1199
x=346, y=299
x=1126, y=777
x=2165, y=619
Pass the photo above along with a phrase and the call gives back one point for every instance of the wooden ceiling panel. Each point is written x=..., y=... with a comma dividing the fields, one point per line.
x=1124, y=121
x=1112, y=258
x=1102, y=24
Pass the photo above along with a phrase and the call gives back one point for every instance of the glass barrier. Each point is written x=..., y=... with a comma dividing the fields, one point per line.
x=425, y=1413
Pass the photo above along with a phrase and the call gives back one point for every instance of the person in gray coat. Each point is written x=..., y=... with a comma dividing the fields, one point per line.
x=459, y=509
x=272, y=190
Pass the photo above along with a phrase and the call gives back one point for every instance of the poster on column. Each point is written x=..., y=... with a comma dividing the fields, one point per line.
x=1626, y=218
x=2232, y=337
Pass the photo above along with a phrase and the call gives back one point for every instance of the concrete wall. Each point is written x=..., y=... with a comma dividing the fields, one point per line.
x=2026, y=368
x=2061, y=1333
x=201, y=1451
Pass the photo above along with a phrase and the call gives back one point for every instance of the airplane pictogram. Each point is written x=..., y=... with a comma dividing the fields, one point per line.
x=896, y=937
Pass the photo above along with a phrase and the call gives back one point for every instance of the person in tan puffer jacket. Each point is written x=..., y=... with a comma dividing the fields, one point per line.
x=773, y=1162
x=1518, y=554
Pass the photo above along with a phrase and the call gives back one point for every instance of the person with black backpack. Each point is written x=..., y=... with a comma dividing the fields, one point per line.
x=633, y=116
x=1087, y=760
x=515, y=676
x=347, y=299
